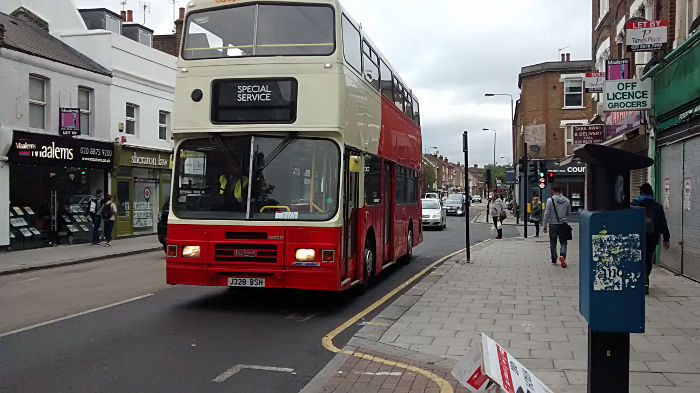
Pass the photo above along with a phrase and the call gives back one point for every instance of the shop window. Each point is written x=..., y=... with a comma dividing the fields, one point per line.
x=573, y=93
x=85, y=105
x=132, y=112
x=163, y=122
x=37, y=102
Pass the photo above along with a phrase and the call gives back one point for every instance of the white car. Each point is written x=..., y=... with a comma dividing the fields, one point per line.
x=434, y=214
x=431, y=195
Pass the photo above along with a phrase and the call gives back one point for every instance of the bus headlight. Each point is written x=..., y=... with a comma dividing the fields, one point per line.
x=305, y=254
x=190, y=252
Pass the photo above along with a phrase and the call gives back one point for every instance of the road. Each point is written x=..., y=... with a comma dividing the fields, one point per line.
x=179, y=338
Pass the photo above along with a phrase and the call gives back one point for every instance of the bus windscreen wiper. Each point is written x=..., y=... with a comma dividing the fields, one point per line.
x=277, y=150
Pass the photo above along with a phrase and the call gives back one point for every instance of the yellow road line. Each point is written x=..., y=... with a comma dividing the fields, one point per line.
x=328, y=338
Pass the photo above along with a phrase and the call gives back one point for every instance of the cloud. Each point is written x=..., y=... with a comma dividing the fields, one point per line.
x=451, y=52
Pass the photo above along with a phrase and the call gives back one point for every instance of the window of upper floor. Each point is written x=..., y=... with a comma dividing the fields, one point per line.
x=138, y=33
x=132, y=118
x=163, y=125
x=38, y=101
x=603, y=8
x=85, y=103
x=101, y=18
x=573, y=93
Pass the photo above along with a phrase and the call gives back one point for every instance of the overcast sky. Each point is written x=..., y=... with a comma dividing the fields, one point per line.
x=451, y=52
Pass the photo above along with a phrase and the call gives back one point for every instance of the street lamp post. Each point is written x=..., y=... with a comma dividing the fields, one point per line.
x=465, y=147
x=512, y=128
x=493, y=171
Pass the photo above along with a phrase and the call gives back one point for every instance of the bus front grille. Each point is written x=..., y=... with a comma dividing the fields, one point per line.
x=245, y=253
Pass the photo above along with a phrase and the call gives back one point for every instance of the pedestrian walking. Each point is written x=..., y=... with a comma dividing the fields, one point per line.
x=107, y=213
x=536, y=214
x=556, y=214
x=498, y=214
x=655, y=225
x=93, y=212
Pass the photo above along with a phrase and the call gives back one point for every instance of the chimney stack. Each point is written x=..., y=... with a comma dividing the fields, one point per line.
x=568, y=57
x=182, y=13
x=129, y=16
x=563, y=57
x=123, y=14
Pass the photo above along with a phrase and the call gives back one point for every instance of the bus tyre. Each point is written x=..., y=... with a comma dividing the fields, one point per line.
x=406, y=259
x=367, y=268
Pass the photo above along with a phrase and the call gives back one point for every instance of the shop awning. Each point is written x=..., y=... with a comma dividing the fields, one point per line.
x=676, y=87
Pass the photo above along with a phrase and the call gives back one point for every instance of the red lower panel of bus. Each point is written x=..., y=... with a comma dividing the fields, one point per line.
x=256, y=257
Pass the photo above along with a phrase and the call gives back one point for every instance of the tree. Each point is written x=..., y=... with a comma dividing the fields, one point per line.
x=428, y=178
x=500, y=171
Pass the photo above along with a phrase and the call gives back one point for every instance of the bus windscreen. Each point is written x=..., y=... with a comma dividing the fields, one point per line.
x=260, y=30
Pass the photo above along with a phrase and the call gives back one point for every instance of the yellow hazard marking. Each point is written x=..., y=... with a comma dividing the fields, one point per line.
x=327, y=340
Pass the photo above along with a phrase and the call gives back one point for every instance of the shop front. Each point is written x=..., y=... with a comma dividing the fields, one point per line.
x=677, y=153
x=571, y=178
x=51, y=181
x=141, y=186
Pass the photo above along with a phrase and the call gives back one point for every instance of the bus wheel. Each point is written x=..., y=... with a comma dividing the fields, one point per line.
x=409, y=248
x=367, y=267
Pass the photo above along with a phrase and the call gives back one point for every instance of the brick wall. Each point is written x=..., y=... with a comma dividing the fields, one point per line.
x=170, y=43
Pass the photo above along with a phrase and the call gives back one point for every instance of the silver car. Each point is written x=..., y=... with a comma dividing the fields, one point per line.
x=434, y=214
x=455, y=205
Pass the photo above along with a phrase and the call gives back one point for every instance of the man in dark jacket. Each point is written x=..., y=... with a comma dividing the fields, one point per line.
x=655, y=223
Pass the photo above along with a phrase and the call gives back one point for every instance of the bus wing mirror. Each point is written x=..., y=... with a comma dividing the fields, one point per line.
x=355, y=165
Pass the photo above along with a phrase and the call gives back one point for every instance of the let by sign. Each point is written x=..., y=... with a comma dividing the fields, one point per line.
x=627, y=94
x=646, y=36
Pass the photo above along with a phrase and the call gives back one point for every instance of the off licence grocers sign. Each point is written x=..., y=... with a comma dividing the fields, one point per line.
x=646, y=36
x=627, y=94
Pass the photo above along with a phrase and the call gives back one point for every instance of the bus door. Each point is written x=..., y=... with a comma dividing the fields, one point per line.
x=350, y=205
x=388, y=206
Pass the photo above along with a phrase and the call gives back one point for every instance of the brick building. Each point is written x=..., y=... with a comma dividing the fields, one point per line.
x=551, y=102
x=170, y=43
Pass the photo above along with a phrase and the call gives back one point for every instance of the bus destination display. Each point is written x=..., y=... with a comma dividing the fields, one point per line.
x=254, y=100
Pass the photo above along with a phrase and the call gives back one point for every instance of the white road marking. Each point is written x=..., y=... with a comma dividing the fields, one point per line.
x=300, y=317
x=390, y=373
x=233, y=370
x=74, y=315
x=27, y=280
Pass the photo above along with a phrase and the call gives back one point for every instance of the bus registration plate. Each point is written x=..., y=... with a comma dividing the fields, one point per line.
x=246, y=282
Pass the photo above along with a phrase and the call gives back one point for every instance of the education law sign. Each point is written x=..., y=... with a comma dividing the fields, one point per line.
x=646, y=36
x=627, y=94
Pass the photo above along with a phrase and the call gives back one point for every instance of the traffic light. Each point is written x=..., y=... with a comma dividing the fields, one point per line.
x=488, y=177
x=550, y=177
x=531, y=169
x=542, y=174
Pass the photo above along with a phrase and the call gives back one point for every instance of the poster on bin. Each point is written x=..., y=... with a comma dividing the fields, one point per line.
x=507, y=372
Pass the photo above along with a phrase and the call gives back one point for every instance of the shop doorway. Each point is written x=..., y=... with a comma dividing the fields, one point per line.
x=124, y=220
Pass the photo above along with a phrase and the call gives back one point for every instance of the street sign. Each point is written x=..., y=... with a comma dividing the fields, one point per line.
x=506, y=371
x=627, y=94
x=646, y=36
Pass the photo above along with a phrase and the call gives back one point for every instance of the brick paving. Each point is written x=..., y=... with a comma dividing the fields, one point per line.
x=514, y=294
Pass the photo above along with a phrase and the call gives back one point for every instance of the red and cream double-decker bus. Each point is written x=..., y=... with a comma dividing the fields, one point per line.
x=298, y=150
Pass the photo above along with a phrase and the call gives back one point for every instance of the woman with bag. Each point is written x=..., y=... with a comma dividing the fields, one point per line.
x=498, y=213
x=556, y=213
x=536, y=214
x=108, y=210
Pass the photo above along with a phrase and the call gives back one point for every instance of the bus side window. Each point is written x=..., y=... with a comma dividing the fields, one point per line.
x=351, y=45
x=370, y=69
x=398, y=95
x=385, y=83
x=400, y=191
x=408, y=104
x=416, y=113
x=373, y=172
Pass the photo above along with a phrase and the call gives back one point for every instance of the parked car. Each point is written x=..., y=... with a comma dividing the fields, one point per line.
x=434, y=214
x=163, y=224
x=476, y=199
x=455, y=204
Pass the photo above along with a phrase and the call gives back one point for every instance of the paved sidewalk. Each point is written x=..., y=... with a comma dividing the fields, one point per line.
x=514, y=294
x=47, y=257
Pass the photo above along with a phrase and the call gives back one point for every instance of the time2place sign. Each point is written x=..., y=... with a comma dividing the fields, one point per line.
x=627, y=94
x=646, y=36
